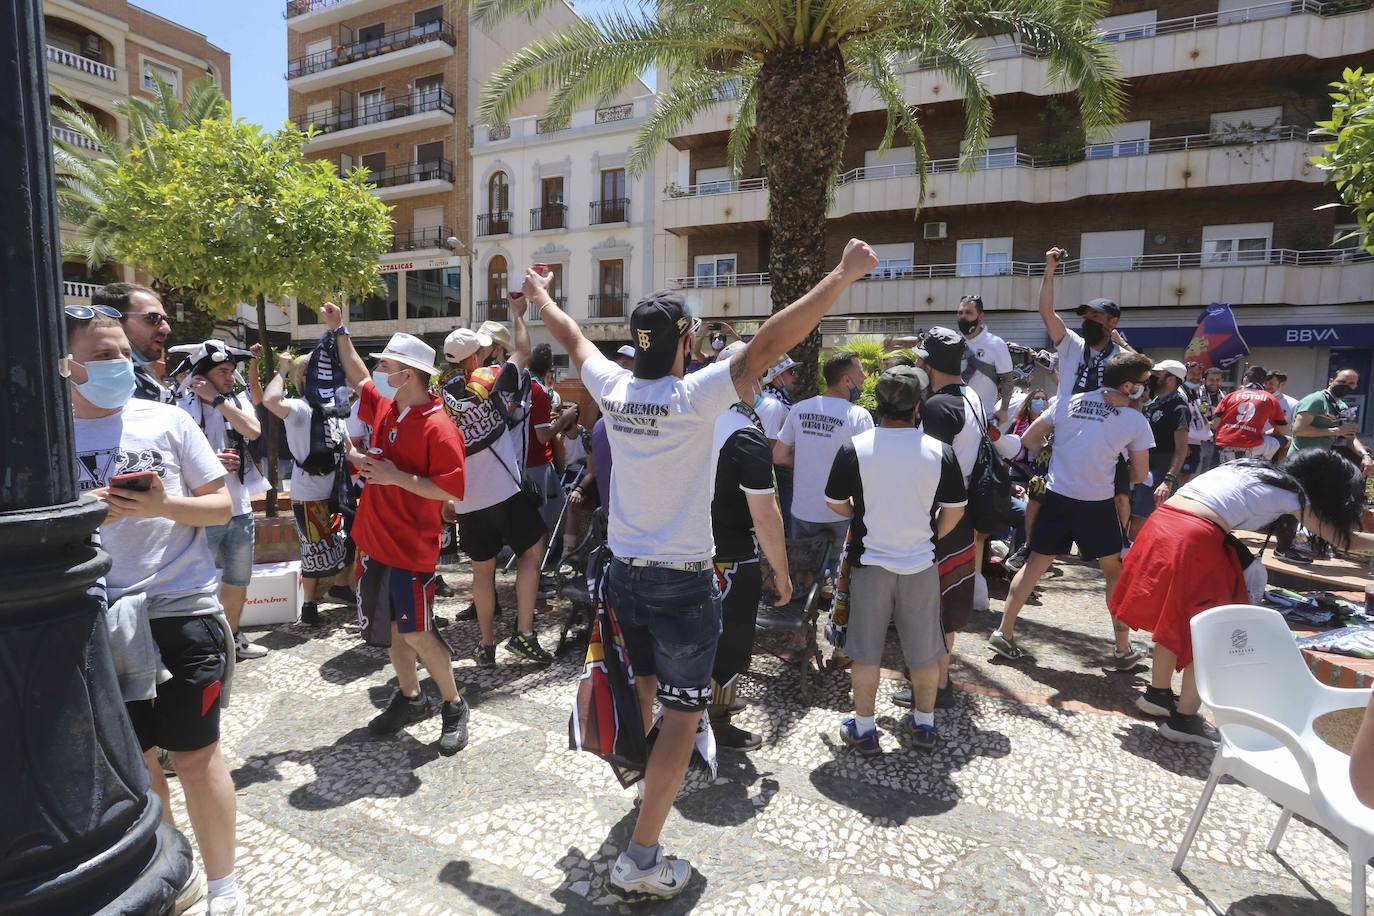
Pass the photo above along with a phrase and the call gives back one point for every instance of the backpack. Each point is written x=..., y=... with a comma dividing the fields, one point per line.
x=989, y=487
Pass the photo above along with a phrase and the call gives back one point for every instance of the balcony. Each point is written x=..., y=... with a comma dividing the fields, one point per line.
x=352, y=123
x=606, y=305
x=306, y=15
x=493, y=223
x=72, y=138
x=74, y=293
x=1278, y=276
x=492, y=310
x=605, y=212
x=403, y=48
x=551, y=217
x=413, y=179
x=81, y=64
x=435, y=237
x=1280, y=153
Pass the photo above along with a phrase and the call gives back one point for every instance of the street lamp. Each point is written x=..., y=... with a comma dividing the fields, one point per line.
x=455, y=245
x=80, y=831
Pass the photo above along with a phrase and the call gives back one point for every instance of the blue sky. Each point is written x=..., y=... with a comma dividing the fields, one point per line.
x=254, y=34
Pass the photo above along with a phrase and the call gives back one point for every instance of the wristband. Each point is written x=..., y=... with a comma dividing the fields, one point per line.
x=1171, y=478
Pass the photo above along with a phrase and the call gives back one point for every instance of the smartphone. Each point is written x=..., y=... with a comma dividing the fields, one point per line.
x=140, y=480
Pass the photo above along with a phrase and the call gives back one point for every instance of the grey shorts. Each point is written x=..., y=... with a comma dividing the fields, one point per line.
x=836, y=532
x=877, y=597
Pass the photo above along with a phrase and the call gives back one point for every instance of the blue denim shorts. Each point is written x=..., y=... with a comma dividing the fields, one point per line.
x=231, y=544
x=671, y=621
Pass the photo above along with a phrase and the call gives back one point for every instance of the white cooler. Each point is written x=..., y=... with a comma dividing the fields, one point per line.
x=274, y=594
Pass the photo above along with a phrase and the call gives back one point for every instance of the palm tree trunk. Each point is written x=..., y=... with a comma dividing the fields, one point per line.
x=270, y=419
x=803, y=120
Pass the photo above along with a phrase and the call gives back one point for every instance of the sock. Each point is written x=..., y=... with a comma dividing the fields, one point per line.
x=222, y=887
x=923, y=718
x=644, y=857
x=864, y=724
x=528, y=634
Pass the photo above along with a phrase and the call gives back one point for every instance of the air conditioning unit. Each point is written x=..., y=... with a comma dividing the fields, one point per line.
x=936, y=231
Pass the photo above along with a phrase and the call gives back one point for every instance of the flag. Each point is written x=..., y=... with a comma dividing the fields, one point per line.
x=1217, y=341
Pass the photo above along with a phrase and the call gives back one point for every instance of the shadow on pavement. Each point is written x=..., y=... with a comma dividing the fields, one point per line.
x=726, y=802
x=1144, y=741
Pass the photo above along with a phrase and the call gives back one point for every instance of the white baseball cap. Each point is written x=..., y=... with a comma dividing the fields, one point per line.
x=463, y=342
x=1173, y=367
x=409, y=350
x=626, y=351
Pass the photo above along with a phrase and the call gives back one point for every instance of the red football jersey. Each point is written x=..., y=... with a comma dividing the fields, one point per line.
x=541, y=414
x=1244, y=414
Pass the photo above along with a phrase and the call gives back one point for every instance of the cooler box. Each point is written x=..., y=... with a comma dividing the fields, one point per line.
x=274, y=594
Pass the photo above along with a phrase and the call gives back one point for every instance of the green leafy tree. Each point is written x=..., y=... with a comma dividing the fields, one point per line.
x=791, y=67
x=1349, y=157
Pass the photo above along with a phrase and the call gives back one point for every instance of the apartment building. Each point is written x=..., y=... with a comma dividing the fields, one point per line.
x=562, y=196
x=1204, y=194
x=102, y=52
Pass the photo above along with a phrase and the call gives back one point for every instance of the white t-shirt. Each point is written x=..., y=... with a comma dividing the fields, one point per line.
x=660, y=433
x=1074, y=376
x=151, y=556
x=306, y=487
x=1289, y=406
x=1089, y=433
x=1241, y=497
x=574, y=452
x=215, y=427
x=816, y=428
x=986, y=356
x=356, y=428
x=772, y=414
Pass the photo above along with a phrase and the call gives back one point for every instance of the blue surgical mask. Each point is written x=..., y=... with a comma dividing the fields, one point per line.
x=855, y=393
x=1193, y=386
x=1038, y=404
x=383, y=382
x=109, y=382
x=758, y=399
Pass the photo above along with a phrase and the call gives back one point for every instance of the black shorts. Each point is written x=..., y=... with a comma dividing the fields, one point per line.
x=741, y=587
x=185, y=714
x=1091, y=524
x=1193, y=461
x=1122, y=481
x=514, y=523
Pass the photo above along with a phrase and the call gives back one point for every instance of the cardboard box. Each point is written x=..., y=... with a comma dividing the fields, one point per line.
x=274, y=595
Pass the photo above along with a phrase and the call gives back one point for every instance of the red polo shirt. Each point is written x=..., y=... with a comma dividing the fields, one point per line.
x=393, y=525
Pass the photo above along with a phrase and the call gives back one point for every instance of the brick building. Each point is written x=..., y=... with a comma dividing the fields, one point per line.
x=1205, y=193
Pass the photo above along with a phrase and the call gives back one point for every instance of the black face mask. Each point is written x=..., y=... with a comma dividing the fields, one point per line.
x=967, y=326
x=1341, y=392
x=1093, y=333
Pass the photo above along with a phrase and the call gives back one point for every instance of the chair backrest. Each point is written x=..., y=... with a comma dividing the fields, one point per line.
x=1244, y=656
x=807, y=559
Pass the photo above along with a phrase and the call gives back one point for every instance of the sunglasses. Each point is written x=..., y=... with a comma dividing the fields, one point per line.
x=153, y=318
x=87, y=312
x=972, y=298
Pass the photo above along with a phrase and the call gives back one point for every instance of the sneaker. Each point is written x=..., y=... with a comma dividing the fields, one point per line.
x=944, y=696
x=667, y=878
x=442, y=589
x=734, y=738
x=343, y=594
x=236, y=905
x=1189, y=730
x=740, y=705
x=470, y=612
x=923, y=737
x=1005, y=647
x=902, y=697
x=399, y=713
x=1157, y=701
x=548, y=588
x=527, y=647
x=1125, y=661
x=453, y=736
x=1017, y=559
x=310, y=614
x=867, y=745
x=440, y=623
x=191, y=892
x=244, y=650
x=485, y=656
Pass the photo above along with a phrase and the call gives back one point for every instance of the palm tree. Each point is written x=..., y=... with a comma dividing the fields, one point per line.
x=791, y=66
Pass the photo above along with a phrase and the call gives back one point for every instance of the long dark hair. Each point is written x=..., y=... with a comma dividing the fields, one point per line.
x=1331, y=486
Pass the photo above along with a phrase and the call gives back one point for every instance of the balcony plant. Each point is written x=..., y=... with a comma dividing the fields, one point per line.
x=1349, y=156
x=788, y=67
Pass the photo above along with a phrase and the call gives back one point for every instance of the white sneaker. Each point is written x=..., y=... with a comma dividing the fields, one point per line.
x=236, y=905
x=666, y=879
x=245, y=650
x=191, y=892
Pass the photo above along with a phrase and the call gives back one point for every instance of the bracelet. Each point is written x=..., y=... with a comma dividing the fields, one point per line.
x=1171, y=478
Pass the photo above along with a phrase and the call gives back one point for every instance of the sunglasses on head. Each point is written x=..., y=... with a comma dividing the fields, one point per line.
x=972, y=298
x=87, y=312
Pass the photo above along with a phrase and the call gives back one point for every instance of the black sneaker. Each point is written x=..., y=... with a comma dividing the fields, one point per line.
x=1159, y=702
x=736, y=739
x=343, y=594
x=485, y=656
x=944, y=696
x=548, y=586
x=310, y=614
x=1189, y=730
x=1016, y=559
x=440, y=623
x=470, y=612
x=400, y=712
x=453, y=736
x=442, y=589
x=527, y=647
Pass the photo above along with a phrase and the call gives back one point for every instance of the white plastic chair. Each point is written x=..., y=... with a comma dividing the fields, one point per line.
x=1253, y=678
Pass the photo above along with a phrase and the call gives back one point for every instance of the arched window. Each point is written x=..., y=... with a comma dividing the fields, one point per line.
x=498, y=194
x=496, y=288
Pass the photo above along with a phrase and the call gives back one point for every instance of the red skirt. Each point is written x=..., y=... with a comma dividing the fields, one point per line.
x=1177, y=568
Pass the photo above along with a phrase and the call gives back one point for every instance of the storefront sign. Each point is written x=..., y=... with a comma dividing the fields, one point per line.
x=419, y=264
x=1261, y=335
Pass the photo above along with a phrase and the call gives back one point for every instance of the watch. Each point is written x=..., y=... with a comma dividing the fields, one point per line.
x=219, y=399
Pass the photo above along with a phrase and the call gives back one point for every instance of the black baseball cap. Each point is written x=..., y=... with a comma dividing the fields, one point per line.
x=1101, y=305
x=943, y=350
x=899, y=388
x=657, y=325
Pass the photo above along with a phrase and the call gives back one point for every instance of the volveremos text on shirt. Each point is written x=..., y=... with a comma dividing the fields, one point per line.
x=1097, y=411
x=637, y=418
x=818, y=424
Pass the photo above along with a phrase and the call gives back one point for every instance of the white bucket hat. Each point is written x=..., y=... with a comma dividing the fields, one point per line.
x=463, y=342
x=778, y=368
x=409, y=350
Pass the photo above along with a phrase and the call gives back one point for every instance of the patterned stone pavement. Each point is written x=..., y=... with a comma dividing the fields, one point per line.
x=1046, y=797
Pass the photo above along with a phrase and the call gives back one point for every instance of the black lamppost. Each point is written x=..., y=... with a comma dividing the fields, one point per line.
x=80, y=832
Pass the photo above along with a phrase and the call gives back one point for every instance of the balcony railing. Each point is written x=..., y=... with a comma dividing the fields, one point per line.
x=549, y=126
x=84, y=64
x=606, y=305
x=72, y=138
x=79, y=290
x=497, y=223
x=1004, y=159
x=615, y=113
x=418, y=102
x=554, y=216
x=412, y=172
x=492, y=309
x=718, y=282
x=301, y=7
x=498, y=133
x=438, y=30
x=416, y=239
x=610, y=211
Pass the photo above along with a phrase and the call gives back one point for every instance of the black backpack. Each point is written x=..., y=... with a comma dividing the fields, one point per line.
x=989, y=487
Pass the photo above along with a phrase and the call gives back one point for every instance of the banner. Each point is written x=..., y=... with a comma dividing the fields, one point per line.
x=1217, y=341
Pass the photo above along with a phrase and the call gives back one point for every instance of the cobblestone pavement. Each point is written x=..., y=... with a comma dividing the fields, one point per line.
x=1047, y=795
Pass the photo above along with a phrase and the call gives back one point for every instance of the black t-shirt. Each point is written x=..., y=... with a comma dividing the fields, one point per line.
x=744, y=465
x=943, y=414
x=1167, y=415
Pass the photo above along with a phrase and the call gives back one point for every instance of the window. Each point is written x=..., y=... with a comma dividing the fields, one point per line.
x=999, y=153
x=433, y=293
x=345, y=163
x=316, y=113
x=372, y=32
x=611, y=208
x=894, y=260
x=1101, y=251
x=715, y=270
x=371, y=106
x=1127, y=27
x=498, y=193
x=496, y=281
x=1233, y=11
x=429, y=90
x=609, y=301
x=556, y=283
x=169, y=75
x=715, y=181
x=378, y=307
x=1238, y=244
x=612, y=186
x=430, y=153
x=432, y=17
x=373, y=162
x=1129, y=139
x=1245, y=126
x=895, y=163
x=984, y=257
x=551, y=211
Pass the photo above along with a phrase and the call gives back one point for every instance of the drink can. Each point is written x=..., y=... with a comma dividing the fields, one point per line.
x=541, y=268
x=232, y=451
x=375, y=452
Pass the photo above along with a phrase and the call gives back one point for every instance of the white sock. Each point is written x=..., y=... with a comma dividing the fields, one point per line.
x=864, y=724
x=529, y=633
x=923, y=718
x=222, y=887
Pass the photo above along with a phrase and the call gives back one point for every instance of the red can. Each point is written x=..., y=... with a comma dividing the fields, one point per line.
x=541, y=268
x=375, y=452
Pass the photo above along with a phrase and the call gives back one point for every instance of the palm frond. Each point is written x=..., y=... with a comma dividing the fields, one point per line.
x=204, y=101
x=746, y=119
x=674, y=109
x=493, y=12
